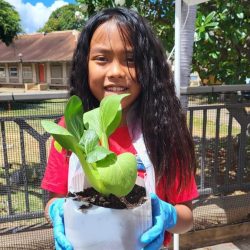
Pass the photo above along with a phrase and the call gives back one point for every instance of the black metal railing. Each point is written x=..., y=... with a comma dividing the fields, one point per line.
x=218, y=121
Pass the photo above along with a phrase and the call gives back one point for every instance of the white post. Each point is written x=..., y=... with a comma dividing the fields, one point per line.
x=34, y=73
x=64, y=73
x=176, y=242
x=48, y=73
x=20, y=72
x=7, y=74
x=177, y=71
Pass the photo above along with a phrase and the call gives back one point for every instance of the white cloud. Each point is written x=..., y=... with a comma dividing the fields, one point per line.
x=35, y=16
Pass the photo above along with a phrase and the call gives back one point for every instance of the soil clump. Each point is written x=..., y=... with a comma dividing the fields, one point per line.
x=91, y=197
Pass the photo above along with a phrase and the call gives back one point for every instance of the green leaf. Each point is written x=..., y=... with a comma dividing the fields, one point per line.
x=209, y=17
x=107, y=161
x=108, y=111
x=62, y=136
x=213, y=24
x=120, y=177
x=117, y=120
x=206, y=36
x=89, y=140
x=240, y=15
x=106, y=172
x=58, y=147
x=214, y=55
x=73, y=116
x=100, y=153
x=91, y=120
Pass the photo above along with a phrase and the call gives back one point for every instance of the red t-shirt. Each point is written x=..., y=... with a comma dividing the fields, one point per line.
x=56, y=174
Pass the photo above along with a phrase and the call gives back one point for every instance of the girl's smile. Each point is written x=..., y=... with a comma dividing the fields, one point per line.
x=111, y=65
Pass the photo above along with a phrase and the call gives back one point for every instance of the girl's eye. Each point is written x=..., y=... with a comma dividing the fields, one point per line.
x=101, y=59
x=130, y=60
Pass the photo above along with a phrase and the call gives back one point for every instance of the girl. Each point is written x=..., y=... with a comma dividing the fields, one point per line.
x=117, y=53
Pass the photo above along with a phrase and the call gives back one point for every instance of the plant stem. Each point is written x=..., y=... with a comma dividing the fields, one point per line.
x=104, y=141
x=91, y=173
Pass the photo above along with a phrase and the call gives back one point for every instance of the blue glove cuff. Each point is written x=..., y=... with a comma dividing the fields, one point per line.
x=172, y=217
x=54, y=206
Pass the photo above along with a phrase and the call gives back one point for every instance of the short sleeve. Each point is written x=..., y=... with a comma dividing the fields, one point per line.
x=175, y=196
x=56, y=173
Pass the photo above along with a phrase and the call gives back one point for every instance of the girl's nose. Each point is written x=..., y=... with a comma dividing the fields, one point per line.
x=116, y=70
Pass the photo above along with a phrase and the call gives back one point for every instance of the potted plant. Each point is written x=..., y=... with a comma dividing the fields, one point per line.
x=91, y=220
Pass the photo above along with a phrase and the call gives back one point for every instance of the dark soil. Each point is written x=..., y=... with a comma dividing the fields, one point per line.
x=135, y=198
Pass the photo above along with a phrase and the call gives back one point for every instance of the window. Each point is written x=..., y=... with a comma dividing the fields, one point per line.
x=13, y=71
x=27, y=72
x=2, y=72
x=56, y=71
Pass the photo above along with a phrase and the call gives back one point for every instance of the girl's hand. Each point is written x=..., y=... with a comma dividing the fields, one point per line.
x=55, y=212
x=164, y=218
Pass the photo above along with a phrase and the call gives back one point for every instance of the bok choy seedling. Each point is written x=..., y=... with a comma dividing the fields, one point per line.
x=86, y=134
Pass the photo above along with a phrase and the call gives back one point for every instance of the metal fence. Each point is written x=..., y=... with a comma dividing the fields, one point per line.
x=220, y=125
x=218, y=120
x=24, y=149
x=222, y=145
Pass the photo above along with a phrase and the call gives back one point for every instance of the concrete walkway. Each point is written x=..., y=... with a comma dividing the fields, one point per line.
x=243, y=244
x=12, y=90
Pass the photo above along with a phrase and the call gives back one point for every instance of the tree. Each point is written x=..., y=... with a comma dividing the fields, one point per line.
x=9, y=22
x=67, y=17
x=159, y=13
x=222, y=46
x=222, y=33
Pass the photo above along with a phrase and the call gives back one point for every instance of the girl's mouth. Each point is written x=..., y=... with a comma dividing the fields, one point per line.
x=116, y=89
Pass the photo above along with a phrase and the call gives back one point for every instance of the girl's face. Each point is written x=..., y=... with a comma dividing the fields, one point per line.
x=111, y=65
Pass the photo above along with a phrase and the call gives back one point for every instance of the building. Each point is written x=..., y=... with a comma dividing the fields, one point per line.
x=42, y=59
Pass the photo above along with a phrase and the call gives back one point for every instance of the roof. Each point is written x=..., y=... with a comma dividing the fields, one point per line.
x=40, y=47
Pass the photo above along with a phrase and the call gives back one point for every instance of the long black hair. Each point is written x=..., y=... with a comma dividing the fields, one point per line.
x=167, y=139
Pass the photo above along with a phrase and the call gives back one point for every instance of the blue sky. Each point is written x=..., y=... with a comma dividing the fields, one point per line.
x=35, y=13
x=45, y=2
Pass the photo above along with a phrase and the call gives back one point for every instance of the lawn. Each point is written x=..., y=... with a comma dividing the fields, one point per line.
x=55, y=106
x=211, y=128
x=30, y=156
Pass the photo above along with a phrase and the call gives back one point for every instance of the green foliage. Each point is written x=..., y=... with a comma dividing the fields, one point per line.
x=221, y=51
x=9, y=22
x=160, y=14
x=222, y=46
x=64, y=18
x=87, y=136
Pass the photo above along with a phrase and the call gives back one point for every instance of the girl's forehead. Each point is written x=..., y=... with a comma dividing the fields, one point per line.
x=109, y=32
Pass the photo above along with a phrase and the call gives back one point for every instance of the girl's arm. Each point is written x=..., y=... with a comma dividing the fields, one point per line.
x=54, y=215
x=52, y=197
x=184, y=218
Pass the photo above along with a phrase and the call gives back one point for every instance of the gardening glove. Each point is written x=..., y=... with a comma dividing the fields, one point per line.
x=55, y=212
x=164, y=218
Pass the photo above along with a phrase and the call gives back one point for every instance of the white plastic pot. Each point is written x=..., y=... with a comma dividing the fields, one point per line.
x=99, y=228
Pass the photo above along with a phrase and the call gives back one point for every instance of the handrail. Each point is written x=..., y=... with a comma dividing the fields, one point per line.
x=34, y=95
x=62, y=94
x=215, y=89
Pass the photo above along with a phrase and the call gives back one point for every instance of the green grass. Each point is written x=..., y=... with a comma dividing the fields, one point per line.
x=211, y=128
x=18, y=200
x=55, y=106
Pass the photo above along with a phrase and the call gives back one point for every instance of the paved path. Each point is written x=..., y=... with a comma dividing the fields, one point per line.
x=243, y=244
